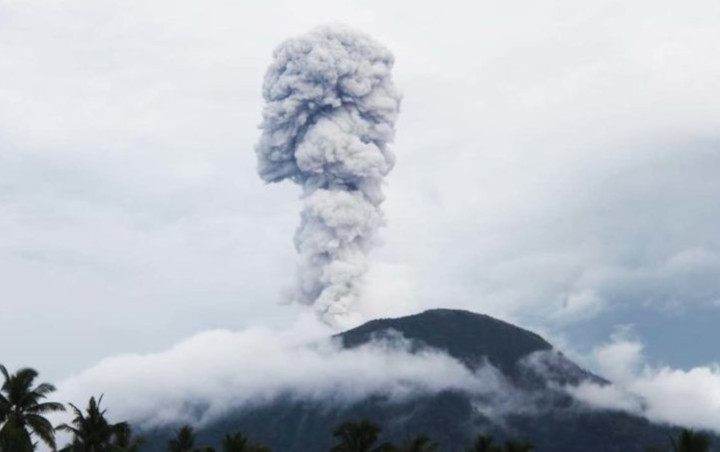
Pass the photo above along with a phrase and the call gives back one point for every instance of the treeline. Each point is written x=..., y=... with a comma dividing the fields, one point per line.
x=351, y=436
x=23, y=425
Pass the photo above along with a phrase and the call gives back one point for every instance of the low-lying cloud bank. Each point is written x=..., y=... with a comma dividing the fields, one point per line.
x=202, y=377
x=660, y=393
x=211, y=373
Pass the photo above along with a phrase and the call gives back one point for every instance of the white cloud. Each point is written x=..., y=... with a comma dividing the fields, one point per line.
x=202, y=377
x=686, y=397
x=579, y=306
x=610, y=397
x=620, y=360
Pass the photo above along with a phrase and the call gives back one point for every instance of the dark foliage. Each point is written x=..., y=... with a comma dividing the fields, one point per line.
x=357, y=436
x=691, y=441
x=184, y=440
x=241, y=443
x=23, y=410
x=93, y=433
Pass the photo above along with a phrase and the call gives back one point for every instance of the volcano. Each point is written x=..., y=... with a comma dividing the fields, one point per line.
x=532, y=403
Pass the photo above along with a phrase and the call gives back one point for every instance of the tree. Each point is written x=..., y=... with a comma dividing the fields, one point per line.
x=356, y=436
x=22, y=411
x=484, y=443
x=184, y=440
x=124, y=442
x=419, y=443
x=92, y=432
x=241, y=443
x=691, y=441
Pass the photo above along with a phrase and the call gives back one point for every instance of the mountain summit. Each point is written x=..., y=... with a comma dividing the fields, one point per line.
x=523, y=357
x=468, y=337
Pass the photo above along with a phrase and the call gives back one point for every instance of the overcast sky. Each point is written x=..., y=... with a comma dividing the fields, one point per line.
x=558, y=166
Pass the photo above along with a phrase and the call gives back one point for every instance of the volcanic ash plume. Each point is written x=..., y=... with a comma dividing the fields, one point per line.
x=330, y=112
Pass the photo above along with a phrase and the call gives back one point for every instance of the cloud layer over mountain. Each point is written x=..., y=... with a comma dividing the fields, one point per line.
x=205, y=376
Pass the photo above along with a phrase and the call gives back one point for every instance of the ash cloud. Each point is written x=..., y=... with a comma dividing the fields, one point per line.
x=330, y=111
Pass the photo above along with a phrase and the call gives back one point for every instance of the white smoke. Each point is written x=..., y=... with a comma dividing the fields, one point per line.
x=330, y=112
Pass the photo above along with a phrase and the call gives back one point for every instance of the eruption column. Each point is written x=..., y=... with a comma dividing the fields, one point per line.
x=329, y=115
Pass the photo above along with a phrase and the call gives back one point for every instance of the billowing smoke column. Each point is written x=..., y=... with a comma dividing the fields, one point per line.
x=330, y=112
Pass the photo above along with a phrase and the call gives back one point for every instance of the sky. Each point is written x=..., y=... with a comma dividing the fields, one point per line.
x=558, y=166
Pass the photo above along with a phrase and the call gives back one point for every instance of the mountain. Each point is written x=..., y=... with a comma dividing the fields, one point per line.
x=532, y=405
x=474, y=339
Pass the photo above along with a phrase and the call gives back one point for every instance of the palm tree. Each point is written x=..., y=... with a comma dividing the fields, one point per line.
x=691, y=441
x=184, y=440
x=484, y=443
x=241, y=443
x=419, y=443
x=124, y=442
x=92, y=432
x=357, y=437
x=22, y=411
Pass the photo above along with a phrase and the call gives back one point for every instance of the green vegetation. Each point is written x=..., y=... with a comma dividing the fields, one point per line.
x=184, y=440
x=241, y=443
x=691, y=441
x=23, y=424
x=92, y=432
x=419, y=443
x=22, y=411
x=357, y=437
x=483, y=443
x=124, y=442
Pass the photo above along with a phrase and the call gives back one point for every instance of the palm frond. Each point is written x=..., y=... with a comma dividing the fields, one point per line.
x=47, y=407
x=42, y=428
